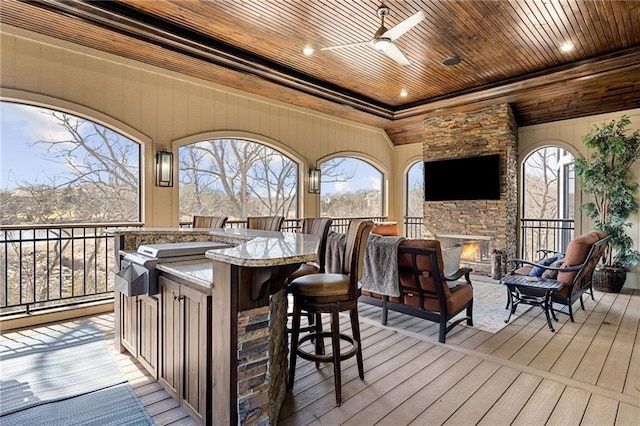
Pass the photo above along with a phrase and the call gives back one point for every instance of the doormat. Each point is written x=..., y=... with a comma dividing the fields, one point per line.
x=65, y=377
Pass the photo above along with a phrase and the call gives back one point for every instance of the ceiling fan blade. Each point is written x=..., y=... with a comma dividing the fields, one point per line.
x=394, y=53
x=340, y=46
x=404, y=26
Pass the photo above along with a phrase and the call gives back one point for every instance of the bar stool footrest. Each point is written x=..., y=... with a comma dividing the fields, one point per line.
x=326, y=358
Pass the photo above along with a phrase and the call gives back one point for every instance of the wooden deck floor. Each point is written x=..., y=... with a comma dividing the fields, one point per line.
x=588, y=372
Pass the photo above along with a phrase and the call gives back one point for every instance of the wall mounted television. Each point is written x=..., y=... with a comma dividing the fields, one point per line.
x=468, y=178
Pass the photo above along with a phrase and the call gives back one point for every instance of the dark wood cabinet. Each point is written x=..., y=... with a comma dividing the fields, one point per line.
x=139, y=329
x=185, y=347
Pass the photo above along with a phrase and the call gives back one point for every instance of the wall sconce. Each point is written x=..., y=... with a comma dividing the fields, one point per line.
x=314, y=181
x=164, y=168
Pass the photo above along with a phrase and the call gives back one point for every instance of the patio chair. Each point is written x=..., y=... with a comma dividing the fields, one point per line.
x=574, y=270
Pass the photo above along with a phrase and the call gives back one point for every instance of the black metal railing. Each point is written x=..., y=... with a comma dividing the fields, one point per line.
x=537, y=234
x=44, y=266
x=413, y=227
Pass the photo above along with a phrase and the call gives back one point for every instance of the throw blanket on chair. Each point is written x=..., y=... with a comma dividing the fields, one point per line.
x=380, y=272
x=335, y=252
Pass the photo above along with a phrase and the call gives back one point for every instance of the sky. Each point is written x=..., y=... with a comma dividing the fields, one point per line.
x=21, y=125
x=365, y=177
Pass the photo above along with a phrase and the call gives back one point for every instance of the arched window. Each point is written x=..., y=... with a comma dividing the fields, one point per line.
x=61, y=168
x=236, y=178
x=351, y=188
x=414, y=196
x=548, y=199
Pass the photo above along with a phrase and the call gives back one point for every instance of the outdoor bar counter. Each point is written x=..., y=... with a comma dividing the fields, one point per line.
x=215, y=334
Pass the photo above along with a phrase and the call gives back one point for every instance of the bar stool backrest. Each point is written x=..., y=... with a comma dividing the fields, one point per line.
x=209, y=221
x=355, y=249
x=319, y=226
x=265, y=223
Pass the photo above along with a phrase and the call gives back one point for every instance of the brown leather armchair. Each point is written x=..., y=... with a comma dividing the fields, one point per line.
x=424, y=290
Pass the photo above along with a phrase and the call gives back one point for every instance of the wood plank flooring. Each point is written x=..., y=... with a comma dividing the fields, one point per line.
x=587, y=372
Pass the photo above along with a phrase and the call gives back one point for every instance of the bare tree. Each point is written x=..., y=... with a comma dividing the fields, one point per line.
x=541, y=184
x=250, y=177
x=336, y=170
x=359, y=203
x=99, y=181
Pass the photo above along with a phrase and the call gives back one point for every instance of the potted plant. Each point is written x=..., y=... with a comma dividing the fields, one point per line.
x=607, y=177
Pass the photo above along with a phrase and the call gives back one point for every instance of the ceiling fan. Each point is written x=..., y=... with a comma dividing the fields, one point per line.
x=383, y=38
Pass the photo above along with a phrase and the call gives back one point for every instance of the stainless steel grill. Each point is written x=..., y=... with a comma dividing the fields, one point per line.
x=138, y=273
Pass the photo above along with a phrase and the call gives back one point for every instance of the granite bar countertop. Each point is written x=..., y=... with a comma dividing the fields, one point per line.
x=265, y=248
x=252, y=248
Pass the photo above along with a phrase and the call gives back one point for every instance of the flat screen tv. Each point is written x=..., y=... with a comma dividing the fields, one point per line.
x=468, y=178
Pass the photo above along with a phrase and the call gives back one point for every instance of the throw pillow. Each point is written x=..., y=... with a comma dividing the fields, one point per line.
x=537, y=271
x=551, y=274
x=451, y=260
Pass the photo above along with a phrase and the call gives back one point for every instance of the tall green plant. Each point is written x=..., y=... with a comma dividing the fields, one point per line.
x=607, y=177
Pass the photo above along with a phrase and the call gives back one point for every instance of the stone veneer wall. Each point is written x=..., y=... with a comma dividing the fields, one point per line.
x=253, y=365
x=489, y=130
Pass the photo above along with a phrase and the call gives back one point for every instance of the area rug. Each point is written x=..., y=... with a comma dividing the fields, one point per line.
x=65, y=377
x=489, y=306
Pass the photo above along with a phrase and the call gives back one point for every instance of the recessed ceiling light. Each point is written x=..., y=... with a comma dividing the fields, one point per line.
x=403, y=93
x=308, y=50
x=567, y=46
x=452, y=60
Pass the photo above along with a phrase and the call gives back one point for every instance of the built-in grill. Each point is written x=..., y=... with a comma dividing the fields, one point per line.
x=138, y=274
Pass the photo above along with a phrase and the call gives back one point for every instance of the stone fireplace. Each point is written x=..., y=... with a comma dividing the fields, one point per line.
x=482, y=225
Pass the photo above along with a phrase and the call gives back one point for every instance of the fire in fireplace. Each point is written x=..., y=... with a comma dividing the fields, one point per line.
x=475, y=248
x=470, y=251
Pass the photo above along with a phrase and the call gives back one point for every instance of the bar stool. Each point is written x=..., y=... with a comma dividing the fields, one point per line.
x=317, y=226
x=209, y=221
x=265, y=223
x=332, y=293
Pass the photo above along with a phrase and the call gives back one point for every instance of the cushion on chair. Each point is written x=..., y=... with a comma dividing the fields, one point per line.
x=576, y=254
x=319, y=285
x=451, y=259
x=460, y=296
x=537, y=271
x=524, y=270
x=551, y=274
x=385, y=228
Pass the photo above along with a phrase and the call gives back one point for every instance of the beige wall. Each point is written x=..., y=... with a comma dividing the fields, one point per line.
x=162, y=109
x=568, y=133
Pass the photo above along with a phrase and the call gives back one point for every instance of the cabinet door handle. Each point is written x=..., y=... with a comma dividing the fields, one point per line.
x=178, y=298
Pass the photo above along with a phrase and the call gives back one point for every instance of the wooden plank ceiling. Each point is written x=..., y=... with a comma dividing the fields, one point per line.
x=509, y=50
